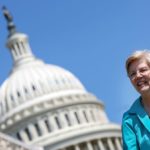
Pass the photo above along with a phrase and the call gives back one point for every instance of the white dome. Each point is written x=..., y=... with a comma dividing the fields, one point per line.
x=35, y=79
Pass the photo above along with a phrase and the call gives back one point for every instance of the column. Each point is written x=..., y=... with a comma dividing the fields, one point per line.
x=33, y=131
x=16, y=50
x=100, y=144
x=110, y=144
x=24, y=136
x=118, y=144
x=63, y=120
x=89, y=146
x=20, y=48
x=81, y=116
x=72, y=117
x=42, y=126
x=52, y=123
x=89, y=116
x=77, y=147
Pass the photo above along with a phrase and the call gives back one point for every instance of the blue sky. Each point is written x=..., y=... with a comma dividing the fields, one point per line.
x=92, y=39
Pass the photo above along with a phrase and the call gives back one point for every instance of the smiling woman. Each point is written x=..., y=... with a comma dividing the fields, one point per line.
x=136, y=122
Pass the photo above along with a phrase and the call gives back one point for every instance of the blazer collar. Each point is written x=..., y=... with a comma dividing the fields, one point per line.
x=138, y=109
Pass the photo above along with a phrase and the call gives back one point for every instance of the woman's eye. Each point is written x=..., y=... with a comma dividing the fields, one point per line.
x=144, y=69
x=132, y=75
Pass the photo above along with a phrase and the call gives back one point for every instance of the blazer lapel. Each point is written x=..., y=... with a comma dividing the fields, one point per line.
x=144, y=118
x=141, y=114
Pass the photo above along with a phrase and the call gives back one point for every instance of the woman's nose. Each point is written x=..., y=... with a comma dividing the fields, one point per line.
x=138, y=74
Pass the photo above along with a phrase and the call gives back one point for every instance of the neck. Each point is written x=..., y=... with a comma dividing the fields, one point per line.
x=146, y=100
x=146, y=97
x=146, y=103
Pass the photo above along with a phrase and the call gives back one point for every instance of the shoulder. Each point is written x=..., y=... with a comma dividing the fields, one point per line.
x=128, y=131
x=130, y=116
x=129, y=121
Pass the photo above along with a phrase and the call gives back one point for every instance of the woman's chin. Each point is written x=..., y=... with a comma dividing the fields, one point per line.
x=144, y=90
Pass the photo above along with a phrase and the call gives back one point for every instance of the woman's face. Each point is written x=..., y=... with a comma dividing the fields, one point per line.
x=139, y=74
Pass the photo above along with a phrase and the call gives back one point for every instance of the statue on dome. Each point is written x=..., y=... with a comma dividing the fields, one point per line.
x=7, y=14
x=11, y=26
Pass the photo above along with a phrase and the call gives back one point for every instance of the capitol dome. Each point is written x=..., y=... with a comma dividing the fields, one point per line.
x=46, y=105
x=35, y=79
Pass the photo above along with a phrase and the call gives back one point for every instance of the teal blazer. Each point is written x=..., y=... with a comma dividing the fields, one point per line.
x=136, y=128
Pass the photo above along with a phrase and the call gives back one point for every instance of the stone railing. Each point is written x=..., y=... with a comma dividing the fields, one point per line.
x=9, y=143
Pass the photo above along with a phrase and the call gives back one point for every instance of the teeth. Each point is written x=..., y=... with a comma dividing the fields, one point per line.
x=141, y=83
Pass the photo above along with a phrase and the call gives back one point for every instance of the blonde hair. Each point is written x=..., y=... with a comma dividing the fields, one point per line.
x=137, y=55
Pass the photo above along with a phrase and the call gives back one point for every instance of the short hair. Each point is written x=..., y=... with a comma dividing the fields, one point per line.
x=137, y=55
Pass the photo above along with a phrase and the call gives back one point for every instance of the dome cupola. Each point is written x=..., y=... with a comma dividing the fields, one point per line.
x=17, y=42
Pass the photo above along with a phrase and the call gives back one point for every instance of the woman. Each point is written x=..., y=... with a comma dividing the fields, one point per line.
x=136, y=121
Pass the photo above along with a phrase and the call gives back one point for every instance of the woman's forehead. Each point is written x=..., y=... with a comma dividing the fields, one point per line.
x=138, y=63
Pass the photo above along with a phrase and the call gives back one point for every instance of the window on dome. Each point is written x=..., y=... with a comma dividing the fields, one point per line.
x=18, y=137
x=38, y=129
x=68, y=119
x=85, y=115
x=18, y=94
x=28, y=134
x=47, y=125
x=77, y=117
x=58, y=122
x=33, y=87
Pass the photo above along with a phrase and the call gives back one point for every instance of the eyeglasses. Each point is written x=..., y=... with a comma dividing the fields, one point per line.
x=141, y=71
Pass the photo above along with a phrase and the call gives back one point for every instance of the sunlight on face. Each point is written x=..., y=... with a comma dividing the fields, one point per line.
x=139, y=74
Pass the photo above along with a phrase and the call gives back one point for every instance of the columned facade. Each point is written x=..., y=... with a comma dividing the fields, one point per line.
x=99, y=144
